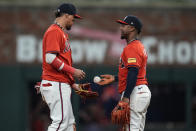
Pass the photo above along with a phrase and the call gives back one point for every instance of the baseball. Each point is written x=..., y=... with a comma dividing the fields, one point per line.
x=96, y=79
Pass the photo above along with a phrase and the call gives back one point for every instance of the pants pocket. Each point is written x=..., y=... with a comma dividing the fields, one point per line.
x=142, y=101
x=46, y=92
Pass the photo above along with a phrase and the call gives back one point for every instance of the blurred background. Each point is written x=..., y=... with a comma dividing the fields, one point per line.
x=169, y=35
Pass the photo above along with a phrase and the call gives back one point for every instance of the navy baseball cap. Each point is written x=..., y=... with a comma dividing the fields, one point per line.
x=69, y=9
x=133, y=21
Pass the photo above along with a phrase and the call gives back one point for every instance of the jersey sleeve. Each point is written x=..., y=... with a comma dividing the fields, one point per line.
x=132, y=58
x=53, y=41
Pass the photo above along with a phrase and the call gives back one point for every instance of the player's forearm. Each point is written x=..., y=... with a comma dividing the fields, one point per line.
x=131, y=81
x=58, y=64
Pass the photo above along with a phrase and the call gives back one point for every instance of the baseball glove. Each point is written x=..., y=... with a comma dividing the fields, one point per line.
x=106, y=79
x=121, y=113
x=86, y=92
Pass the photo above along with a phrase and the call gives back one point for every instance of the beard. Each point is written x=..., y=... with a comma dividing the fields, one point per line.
x=123, y=36
x=68, y=27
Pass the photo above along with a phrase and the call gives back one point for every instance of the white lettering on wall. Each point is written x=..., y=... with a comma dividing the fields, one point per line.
x=39, y=54
x=166, y=52
x=183, y=52
x=149, y=43
x=26, y=48
x=29, y=49
x=194, y=53
x=77, y=51
x=92, y=52
x=169, y=52
x=95, y=52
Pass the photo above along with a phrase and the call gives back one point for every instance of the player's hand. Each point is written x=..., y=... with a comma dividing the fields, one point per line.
x=75, y=86
x=85, y=86
x=125, y=99
x=106, y=79
x=79, y=74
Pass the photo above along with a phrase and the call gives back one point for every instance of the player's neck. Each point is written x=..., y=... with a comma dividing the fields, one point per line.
x=131, y=38
x=60, y=23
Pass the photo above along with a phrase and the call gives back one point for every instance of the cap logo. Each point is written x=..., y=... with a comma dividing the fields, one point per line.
x=125, y=18
x=132, y=23
x=58, y=10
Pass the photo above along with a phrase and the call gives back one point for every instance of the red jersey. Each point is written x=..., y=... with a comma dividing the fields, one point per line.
x=56, y=41
x=133, y=55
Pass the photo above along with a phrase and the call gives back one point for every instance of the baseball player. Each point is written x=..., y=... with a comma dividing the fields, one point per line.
x=58, y=73
x=132, y=82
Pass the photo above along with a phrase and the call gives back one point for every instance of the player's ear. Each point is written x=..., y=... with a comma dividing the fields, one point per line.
x=131, y=28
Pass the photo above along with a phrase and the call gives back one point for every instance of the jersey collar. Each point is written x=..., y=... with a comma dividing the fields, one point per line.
x=132, y=40
x=59, y=25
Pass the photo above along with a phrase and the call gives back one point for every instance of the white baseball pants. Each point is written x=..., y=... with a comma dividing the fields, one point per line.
x=139, y=102
x=57, y=95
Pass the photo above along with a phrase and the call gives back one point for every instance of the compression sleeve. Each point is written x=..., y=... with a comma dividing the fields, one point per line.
x=53, y=60
x=131, y=81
